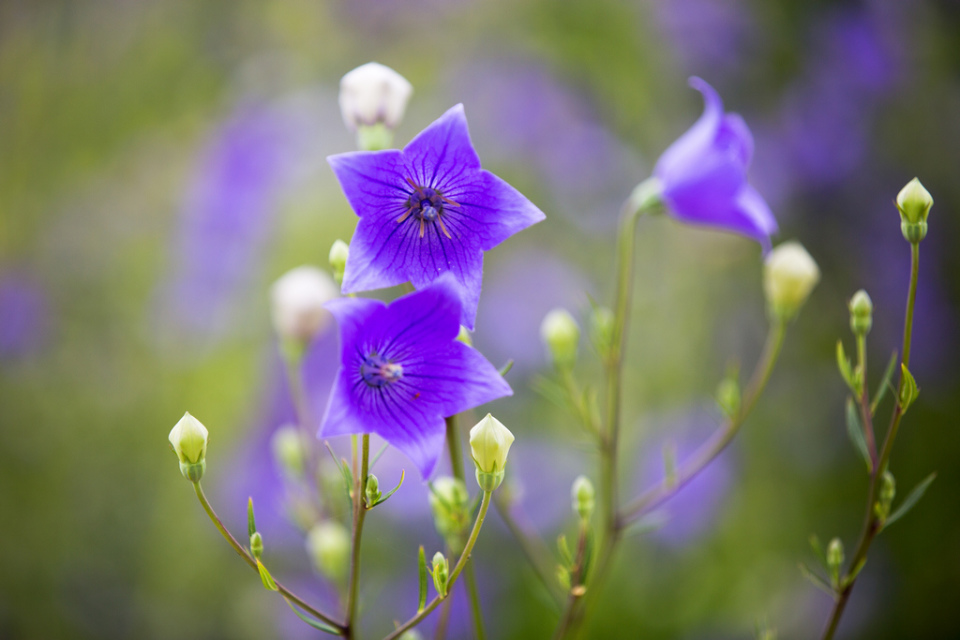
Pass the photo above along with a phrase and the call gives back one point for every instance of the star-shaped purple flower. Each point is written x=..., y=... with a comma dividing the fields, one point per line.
x=402, y=371
x=704, y=174
x=427, y=210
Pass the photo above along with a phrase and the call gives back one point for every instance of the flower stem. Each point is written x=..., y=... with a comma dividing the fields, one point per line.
x=538, y=555
x=872, y=523
x=461, y=563
x=577, y=590
x=359, y=514
x=249, y=559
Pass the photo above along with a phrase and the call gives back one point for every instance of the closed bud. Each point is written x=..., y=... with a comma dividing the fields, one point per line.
x=835, y=557
x=888, y=491
x=560, y=333
x=914, y=203
x=441, y=573
x=602, y=323
x=789, y=275
x=450, y=503
x=372, y=492
x=373, y=99
x=287, y=446
x=411, y=634
x=189, y=440
x=298, y=298
x=339, y=252
x=728, y=396
x=256, y=544
x=328, y=544
x=489, y=445
x=583, y=496
x=861, y=313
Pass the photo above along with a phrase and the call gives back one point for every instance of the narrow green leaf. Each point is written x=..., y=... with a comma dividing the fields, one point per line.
x=564, y=549
x=911, y=500
x=265, y=576
x=422, y=571
x=380, y=453
x=251, y=521
x=855, y=432
x=846, y=369
x=313, y=622
x=391, y=492
x=551, y=391
x=884, y=383
x=908, y=389
x=505, y=369
x=344, y=469
x=818, y=550
x=817, y=581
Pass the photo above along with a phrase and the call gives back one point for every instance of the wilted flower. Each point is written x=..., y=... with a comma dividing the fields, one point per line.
x=373, y=94
x=427, y=210
x=703, y=174
x=403, y=370
x=298, y=298
x=789, y=275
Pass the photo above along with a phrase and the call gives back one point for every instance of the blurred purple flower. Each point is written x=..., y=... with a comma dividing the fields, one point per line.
x=427, y=210
x=24, y=316
x=402, y=371
x=706, y=35
x=704, y=174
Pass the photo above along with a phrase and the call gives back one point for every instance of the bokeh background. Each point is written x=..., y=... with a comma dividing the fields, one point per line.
x=162, y=162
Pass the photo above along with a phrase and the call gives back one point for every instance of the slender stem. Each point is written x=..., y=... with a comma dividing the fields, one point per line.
x=533, y=547
x=250, y=560
x=577, y=590
x=872, y=523
x=359, y=514
x=866, y=415
x=461, y=563
x=456, y=464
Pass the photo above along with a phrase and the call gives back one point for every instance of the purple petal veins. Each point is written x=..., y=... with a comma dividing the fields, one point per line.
x=428, y=210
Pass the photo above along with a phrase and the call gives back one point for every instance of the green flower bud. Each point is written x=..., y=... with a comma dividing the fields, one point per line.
x=584, y=497
x=189, y=440
x=256, y=544
x=328, y=544
x=441, y=573
x=861, y=313
x=338, y=259
x=412, y=634
x=450, y=502
x=489, y=445
x=728, y=396
x=287, y=446
x=789, y=275
x=888, y=491
x=835, y=558
x=560, y=333
x=914, y=203
x=372, y=492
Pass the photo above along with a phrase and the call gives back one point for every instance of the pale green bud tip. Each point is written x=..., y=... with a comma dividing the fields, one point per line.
x=339, y=252
x=464, y=336
x=789, y=275
x=861, y=312
x=256, y=544
x=298, y=298
x=412, y=634
x=560, y=333
x=373, y=489
x=441, y=571
x=328, y=544
x=583, y=495
x=835, y=553
x=189, y=440
x=489, y=443
x=287, y=446
x=914, y=202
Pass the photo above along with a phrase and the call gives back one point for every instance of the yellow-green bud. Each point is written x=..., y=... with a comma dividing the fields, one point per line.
x=861, y=313
x=338, y=259
x=256, y=544
x=560, y=333
x=835, y=557
x=412, y=634
x=449, y=502
x=728, y=396
x=888, y=491
x=489, y=445
x=441, y=572
x=584, y=496
x=372, y=492
x=789, y=275
x=328, y=544
x=287, y=446
x=464, y=336
x=914, y=203
x=189, y=440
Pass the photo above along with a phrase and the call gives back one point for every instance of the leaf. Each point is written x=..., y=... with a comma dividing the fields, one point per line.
x=855, y=432
x=313, y=622
x=846, y=370
x=422, y=572
x=380, y=453
x=911, y=500
x=391, y=492
x=817, y=581
x=251, y=521
x=265, y=576
x=908, y=389
x=564, y=549
x=505, y=369
x=344, y=470
x=854, y=572
x=818, y=550
x=551, y=391
x=884, y=383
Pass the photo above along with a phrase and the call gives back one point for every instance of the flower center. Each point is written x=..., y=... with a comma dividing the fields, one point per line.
x=427, y=205
x=377, y=371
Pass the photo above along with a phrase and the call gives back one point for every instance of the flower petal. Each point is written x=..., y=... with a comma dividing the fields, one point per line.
x=457, y=379
x=492, y=209
x=442, y=152
x=419, y=322
x=463, y=261
x=352, y=315
x=698, y=138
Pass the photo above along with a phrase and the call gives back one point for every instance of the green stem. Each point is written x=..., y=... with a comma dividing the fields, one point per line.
x=872, y=524
x=538, y=555
x=250, y=560
x=461, y=563
x=577, y=590
x=359, y=514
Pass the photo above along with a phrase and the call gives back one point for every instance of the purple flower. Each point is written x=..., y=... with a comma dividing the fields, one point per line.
x=402, y=371
x=427, y=210
x=704, y=174
x=24, y=316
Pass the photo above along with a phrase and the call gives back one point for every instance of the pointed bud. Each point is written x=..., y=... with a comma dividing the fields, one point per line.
x=728, y=395
x=373, y=99
x=411, y=634
x=888, y=491
x=441, y=573
x=372, y=492
x=298, y=298
x=328, y=544
x=835, y=559
x=464, y=336
x=583, y=496
x=914, y=203
x=189, y=440
x=489, y=444
x=256, y=545
x=789, y=275
x=339, y=252
x=861, y=313
x=287, y=446
x=560, y=333
x=450, y=504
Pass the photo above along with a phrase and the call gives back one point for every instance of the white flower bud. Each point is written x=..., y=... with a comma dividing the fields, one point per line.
x=449, y=502
x=489, y=444
x=861, y=313
x=373, y=94
x=789, y=275
x=914, y=202
x=560, y=333
x=298, y=297
x=189, y=440
x=339, y=252
x=328, y=544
